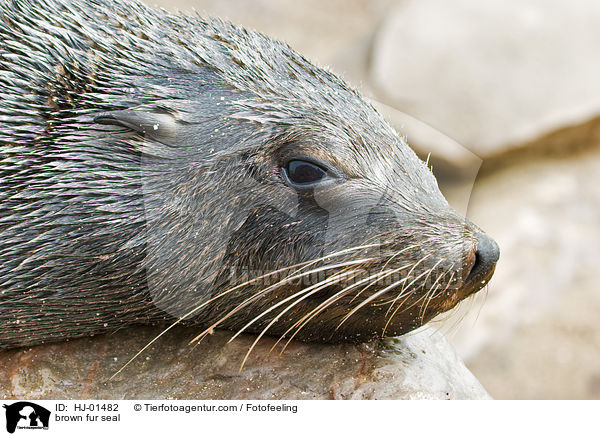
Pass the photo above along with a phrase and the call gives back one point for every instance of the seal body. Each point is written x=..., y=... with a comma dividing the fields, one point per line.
x=158, y=167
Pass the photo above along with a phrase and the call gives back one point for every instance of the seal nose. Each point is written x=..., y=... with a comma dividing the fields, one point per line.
x=485, y=258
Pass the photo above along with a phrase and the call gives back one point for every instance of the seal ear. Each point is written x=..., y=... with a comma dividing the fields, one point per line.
x=158, y=126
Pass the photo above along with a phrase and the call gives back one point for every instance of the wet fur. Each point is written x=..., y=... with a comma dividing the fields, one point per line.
x=140, y=157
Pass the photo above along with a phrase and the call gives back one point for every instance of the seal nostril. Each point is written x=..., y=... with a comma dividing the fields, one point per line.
x=468, y=265
x=477, y=261
x=486, y=256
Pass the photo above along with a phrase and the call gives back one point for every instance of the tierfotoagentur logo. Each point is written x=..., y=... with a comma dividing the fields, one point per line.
x=24, y=415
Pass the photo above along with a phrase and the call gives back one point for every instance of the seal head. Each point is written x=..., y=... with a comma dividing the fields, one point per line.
x=180, y=168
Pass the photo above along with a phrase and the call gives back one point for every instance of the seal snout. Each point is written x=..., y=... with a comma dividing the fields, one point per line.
x=483, y=262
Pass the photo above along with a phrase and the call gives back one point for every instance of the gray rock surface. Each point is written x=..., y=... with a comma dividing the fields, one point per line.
x=491, y=74
x=419, y=366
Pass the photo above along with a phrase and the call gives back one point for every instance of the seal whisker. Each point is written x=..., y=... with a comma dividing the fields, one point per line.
x=396, y=254
x=307, y=291
x=405, y=286
x=412, y=269
x=423, y=296
x=406, y=290
x=444, y=290
x=430, y=295
x=384, y=266
x=379, y=277
x=381, y=292
x=239, y=286
x=485, y=295
x=450, y=315
x=313, y=289
x=426, y=278
x=261, y=293
x=322, y=306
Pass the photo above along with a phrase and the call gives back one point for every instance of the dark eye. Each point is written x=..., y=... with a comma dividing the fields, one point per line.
x=304, y=173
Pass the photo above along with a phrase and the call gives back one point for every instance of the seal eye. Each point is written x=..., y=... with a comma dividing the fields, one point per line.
x=301, y=172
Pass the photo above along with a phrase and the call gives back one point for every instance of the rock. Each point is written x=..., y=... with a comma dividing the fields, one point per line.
x=492, y=74
x=417, y=366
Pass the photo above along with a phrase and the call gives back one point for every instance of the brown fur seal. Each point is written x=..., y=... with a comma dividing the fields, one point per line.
x=157, y=167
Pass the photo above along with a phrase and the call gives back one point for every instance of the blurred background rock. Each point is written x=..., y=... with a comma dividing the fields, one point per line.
x=516, y=84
